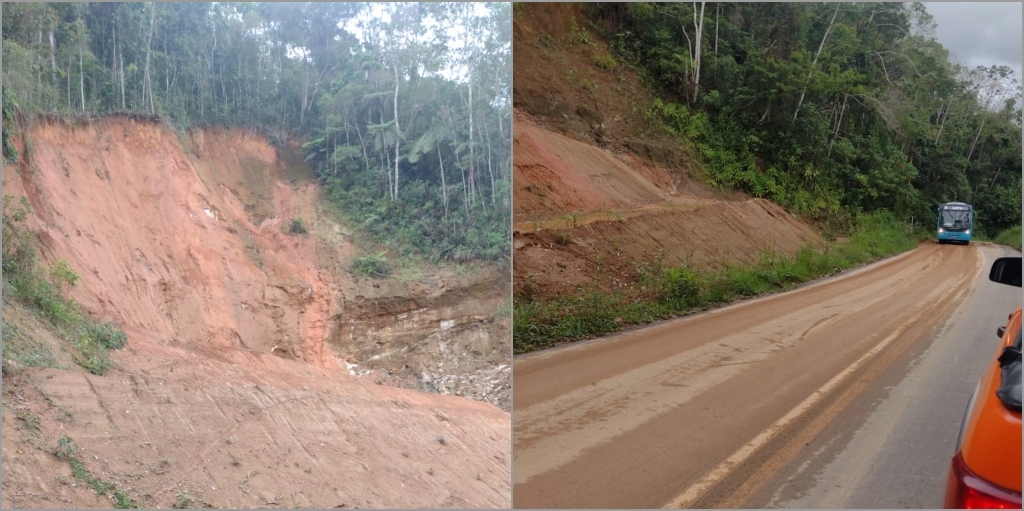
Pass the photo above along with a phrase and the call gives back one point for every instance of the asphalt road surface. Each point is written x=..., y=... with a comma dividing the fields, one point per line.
x=845, y=393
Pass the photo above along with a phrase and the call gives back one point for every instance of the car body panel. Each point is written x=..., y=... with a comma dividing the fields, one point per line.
x=991, y=444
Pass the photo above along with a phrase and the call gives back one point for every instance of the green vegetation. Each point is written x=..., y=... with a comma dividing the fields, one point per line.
x=606, y=62
x=411, y=138
x=373, y=266
x=827, y=109
x=298, y=226
x=1010, y=237
x=122, y=500
x=44, y=291
x=182, y=500
x=666, y=292
x=66, y=450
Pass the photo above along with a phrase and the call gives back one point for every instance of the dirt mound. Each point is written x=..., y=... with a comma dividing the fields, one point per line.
x=607, y=255
x=183, y=242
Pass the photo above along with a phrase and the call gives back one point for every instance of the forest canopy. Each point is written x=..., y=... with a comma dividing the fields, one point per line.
x=404, y=109
x=828, y=108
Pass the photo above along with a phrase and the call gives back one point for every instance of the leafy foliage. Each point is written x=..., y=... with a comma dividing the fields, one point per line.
x=374, y=266
x=406, y=121
x=828, y=111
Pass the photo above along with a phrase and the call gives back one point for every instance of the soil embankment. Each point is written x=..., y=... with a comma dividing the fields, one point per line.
x=598, y=193
x=252, y=352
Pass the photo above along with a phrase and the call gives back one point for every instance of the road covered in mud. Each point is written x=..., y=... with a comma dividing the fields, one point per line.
x=726, y=408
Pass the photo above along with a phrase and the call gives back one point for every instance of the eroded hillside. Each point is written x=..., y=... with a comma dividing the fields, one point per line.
x=598, y=193
x=258, y=370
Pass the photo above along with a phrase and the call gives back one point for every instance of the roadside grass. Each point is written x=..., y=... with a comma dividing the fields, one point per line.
x=663, y=293
x=44, y=291
x=67, y=450
x=1010, y=237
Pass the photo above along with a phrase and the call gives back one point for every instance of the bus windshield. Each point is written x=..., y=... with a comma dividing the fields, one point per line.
x=956, y=219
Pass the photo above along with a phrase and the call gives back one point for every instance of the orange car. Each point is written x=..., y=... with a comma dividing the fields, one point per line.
x=986, y=470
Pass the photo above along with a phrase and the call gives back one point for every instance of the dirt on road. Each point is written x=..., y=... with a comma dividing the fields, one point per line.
x=258, y=370
x=694, y=412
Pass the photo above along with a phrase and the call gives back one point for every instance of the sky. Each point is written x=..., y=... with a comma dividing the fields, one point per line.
x=376, y=10
x=978, y=33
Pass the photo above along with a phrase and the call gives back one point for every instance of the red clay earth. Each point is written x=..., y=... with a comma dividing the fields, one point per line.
x=598, y=194
x=254, y=368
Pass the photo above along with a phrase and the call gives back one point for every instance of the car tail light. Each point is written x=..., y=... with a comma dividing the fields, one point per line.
x=965, y=490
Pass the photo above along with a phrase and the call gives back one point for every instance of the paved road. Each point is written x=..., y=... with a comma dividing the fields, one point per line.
x=753, y=405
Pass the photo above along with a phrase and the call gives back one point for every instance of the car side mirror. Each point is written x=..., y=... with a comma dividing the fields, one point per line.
x=1000, y=332
x=1006, y=270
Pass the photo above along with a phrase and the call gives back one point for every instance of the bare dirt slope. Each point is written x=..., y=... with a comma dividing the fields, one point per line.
x=241, y=331
x=597, y=191
x=702, y=411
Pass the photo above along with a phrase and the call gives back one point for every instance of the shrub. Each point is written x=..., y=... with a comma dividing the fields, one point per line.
x=298, y=226
x=1010, y=237
x=605, y=62
x=375, y=266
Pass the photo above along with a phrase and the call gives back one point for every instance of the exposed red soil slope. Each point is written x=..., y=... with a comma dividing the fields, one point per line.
x=597, y=190
x=242, y=338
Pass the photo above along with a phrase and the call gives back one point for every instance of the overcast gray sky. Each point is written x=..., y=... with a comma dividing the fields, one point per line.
x=980, y=33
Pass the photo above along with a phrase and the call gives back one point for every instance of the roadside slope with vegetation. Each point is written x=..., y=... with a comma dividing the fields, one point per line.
x=829, y=109
x=851, y=116
x=403, y=109
x=291, y=221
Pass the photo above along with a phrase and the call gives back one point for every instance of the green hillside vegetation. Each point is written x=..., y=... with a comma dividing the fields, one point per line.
x=405, y=114
x=827, y=109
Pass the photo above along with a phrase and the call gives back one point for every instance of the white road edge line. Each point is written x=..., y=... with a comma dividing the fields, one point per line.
x=691, y=494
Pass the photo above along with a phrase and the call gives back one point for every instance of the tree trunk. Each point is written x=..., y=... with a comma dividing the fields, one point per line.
x=147, y=91
x=976, y=137
x=69, y=82
x=815, y=62
x=945, y=115
x=490, y=171
x=839, y=123
x=472, y=154
x=398, y=134
x=444, y=187
x=53, y=58
x=81, y=78
x=362, y=145
x=699, y=28
x=718, y=9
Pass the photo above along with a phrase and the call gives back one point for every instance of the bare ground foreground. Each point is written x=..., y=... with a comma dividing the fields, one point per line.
x=706, y=410
x=258, y=371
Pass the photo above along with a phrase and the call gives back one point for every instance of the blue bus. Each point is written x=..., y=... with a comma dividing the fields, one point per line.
x=956, y=220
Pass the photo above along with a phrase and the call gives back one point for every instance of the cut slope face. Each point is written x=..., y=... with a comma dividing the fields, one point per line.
x=187, y=249
x=586, y=218
x=600, y=193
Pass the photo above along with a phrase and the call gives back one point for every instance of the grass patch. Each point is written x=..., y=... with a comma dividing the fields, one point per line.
x=43, y=290
x=1010, y=237
x=26, y=350
x=182, y=500
x=667, y=292
x=605, y=62
x=30, y=420
x=122, y=500
x=373, y=266
x=66, y=450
